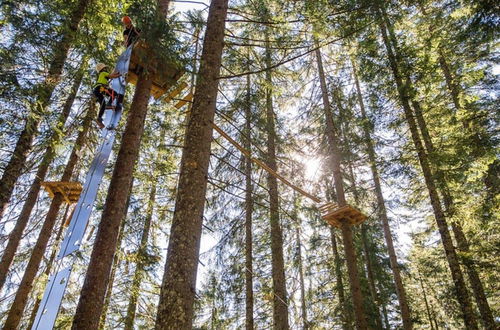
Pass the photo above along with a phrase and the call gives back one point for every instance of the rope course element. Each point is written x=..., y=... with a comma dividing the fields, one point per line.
x=58, y=281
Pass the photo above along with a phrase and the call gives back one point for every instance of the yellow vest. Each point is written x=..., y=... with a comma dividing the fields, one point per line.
x=102, y=79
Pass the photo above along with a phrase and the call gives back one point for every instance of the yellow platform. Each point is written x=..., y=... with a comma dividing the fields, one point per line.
x=335, y=215
x=165, y=75
x=69, y=190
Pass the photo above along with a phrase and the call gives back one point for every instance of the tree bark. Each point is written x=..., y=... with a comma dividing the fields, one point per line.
x=346, y=311
x=142, y=256
x=371, y=277
x=91, y=301
x=21, y=223
x=50, y=262
x=45, y=89
x=427, y=307
x=450, y=83
x=175, y=308
x=373, y=303
x=249, y=321
x=462, y=243
x=116, y=260
x=21, y=298
x=303, y=306
x=280, y=305
x=382, y=211
x=335, y=158
x=404, y=96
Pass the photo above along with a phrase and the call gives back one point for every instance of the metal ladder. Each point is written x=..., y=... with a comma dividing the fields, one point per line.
x=58, y=280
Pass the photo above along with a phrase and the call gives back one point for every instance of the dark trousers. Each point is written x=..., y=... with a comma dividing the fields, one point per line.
x=102, y=101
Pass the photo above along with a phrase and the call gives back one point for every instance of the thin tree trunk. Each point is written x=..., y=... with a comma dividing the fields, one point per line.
x=374, y=302
x=175, y=308
x=91, y=301
x=21, y=223
x=280, y=306
x=462, y=243
x=346, y=311
x=48, y=268
x=452, y=87
x=142, y=251
x=141, y=260
x=370, y=276
x=382, y=211
x=335, y=158
x=456, y=272
x=21, y=298
x=116, y=261
x=303, y=306
x=60, y=52
x=249, y=322
x=427, y=308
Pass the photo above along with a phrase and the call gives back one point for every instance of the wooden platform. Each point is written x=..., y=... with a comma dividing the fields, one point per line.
x=182, y=102
x=335, y=215
x=69, y=190
x=165, y=75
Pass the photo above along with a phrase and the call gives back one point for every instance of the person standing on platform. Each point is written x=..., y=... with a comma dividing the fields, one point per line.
x=131, y=33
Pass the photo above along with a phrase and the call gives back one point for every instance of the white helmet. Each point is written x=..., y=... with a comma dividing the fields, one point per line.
x=100, y=66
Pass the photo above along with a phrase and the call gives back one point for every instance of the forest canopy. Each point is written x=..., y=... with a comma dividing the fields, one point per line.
x=265, y=164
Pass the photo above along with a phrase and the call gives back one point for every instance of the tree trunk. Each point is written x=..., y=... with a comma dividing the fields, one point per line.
x=335, y=158
x=346, y=311
x=427, y=307
x=462, y=243
x=249, y=322
x=404, y=96
x=452, y=87
x=21, y=298
x=45, y=89
x=21, y=223
x=382, y=211
x=280, y=305
x=50, y=262
x=373, y=303
x=142, y=255
x=175, y=308
x=303, y=306
x=116, y=260
x=91, y=301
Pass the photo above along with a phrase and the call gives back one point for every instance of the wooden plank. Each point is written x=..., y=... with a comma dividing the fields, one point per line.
x=185, y=100
x=69, y=190
x=344, y=213
x=176, y=91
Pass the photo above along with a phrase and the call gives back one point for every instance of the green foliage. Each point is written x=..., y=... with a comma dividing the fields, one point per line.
x=460, y=111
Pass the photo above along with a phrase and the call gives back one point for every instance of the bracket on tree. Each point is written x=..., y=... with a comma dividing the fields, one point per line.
x=69, y=190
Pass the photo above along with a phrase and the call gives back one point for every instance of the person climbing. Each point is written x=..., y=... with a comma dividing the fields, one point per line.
x=101, y=89
x=131, y=33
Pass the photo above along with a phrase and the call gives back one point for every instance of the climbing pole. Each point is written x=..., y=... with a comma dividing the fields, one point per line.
x=56, y=285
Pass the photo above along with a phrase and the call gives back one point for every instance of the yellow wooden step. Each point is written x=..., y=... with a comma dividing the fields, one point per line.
x=69, y=190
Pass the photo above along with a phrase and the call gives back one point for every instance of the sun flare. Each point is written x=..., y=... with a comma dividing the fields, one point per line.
x=313, y=168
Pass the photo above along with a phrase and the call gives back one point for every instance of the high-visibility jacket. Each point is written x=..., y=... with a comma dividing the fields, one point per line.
x=102, y=79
